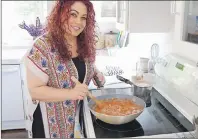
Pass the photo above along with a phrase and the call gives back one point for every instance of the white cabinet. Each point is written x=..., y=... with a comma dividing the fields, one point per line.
x=12, y=98
x=122, y=14
x=145, y=16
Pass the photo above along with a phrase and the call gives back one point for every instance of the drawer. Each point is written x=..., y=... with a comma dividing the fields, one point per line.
x=12, y=97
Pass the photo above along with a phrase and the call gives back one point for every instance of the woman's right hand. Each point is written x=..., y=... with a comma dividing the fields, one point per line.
x=79, y=91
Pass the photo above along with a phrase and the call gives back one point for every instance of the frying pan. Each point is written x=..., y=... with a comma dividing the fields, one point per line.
x=116, y=120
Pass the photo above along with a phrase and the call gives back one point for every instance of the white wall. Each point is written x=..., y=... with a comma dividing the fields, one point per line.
x=50, y=5
x=141, y=43
x=185, y=49
x=107, y=26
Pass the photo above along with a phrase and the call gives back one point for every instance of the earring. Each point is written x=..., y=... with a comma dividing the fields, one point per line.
x=62, y=2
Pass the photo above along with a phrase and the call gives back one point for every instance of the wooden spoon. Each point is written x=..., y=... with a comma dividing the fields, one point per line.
x=98, y=103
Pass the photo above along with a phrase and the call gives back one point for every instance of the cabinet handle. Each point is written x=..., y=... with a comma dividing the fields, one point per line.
x=117, y=10
x=175, y=8
x=22, y=82
x=9, y=70
x=172, y=7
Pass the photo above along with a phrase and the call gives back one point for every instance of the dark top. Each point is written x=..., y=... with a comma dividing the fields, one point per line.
x=80, y=65
x=37, y=126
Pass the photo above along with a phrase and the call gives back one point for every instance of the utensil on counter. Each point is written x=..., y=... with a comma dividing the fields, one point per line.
x=142, y=66
x=110, y=39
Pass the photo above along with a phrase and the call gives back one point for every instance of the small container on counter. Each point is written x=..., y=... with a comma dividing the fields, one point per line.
x=110, y=39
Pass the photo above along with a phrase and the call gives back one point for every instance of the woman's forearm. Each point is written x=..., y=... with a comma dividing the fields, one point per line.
x=98, y=78
x=50, y=94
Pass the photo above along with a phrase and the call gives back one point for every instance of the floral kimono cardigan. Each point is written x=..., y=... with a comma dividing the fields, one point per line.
x=45, y=63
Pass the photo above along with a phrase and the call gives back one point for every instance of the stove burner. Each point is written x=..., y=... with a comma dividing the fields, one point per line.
x=130, y=129
x=131, y=126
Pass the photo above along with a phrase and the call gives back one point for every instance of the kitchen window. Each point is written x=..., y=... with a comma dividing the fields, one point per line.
x=190, y=25
x=13, y=14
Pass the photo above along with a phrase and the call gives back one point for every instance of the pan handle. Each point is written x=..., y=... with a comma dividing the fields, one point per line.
x=124, y=80
x=98, y=82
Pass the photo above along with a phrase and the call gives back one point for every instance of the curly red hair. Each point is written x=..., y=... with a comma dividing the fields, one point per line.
x=86, y=40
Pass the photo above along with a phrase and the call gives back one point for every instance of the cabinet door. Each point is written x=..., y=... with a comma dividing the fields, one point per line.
x=122, y=14
x=150, y=16
x=12, y=100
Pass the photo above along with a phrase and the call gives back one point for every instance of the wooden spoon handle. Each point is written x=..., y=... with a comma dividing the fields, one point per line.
x=88, y=93
x=93, y=98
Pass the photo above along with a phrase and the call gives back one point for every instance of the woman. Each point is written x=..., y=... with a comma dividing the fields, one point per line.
x=57, y=59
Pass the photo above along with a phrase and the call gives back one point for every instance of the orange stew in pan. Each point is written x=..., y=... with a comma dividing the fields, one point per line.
x=118, y=107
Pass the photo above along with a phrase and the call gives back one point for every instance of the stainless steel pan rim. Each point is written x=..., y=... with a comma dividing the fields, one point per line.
x=115, y=115
x=116, y=119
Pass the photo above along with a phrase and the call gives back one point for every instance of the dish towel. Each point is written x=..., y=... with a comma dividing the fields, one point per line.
x=77, y=130
x=195, y=121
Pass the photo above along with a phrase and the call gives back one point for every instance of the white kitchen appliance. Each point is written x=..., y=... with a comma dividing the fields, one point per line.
x=177, y=82
x=179, y=76
x=174, y=105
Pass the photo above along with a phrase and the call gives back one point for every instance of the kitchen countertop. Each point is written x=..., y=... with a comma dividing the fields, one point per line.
x=12, y=56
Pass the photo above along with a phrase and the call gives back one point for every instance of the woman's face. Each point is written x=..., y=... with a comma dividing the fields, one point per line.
x=77, y=19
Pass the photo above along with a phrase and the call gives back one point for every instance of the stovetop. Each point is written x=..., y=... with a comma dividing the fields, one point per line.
x=154, y=120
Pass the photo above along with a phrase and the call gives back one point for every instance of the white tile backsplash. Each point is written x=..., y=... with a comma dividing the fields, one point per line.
x=141, y=43
x=107, y=26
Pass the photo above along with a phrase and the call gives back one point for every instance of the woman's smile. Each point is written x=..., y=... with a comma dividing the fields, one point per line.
x=76, y=28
